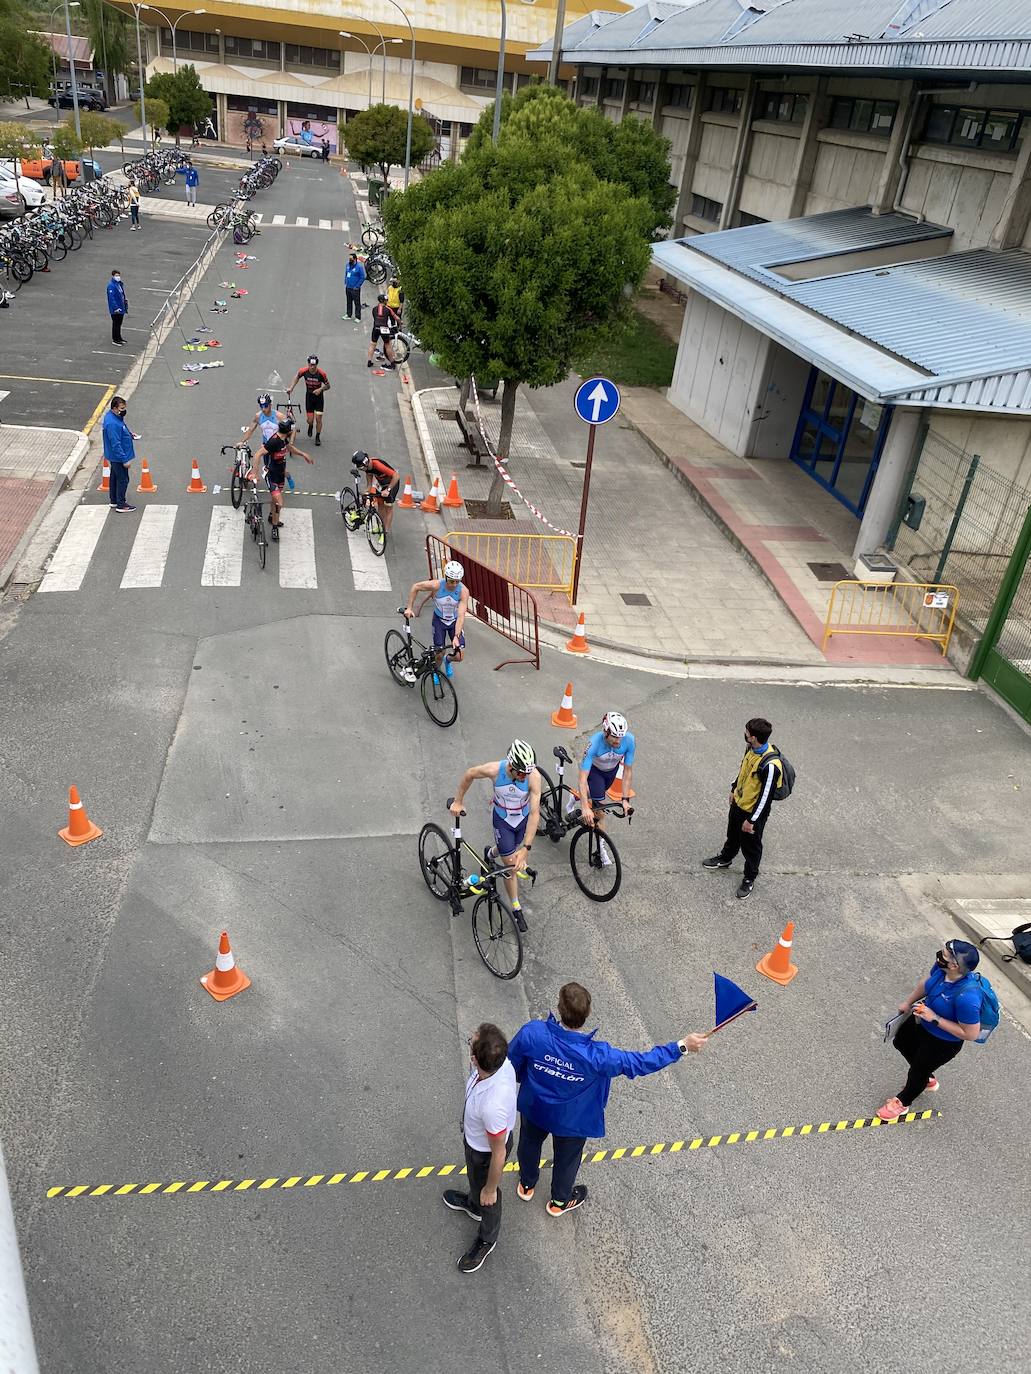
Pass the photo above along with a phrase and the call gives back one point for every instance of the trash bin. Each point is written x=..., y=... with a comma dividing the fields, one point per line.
x=375, y=191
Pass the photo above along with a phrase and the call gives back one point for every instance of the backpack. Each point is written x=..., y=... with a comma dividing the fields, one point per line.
x=1021, y=938
x=786, y=786
x=989, y=1015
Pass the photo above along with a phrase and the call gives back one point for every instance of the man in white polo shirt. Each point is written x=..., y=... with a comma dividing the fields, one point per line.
x=487, y=1122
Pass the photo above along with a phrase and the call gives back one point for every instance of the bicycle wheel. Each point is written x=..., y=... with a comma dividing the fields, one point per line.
x=547, y=823
x=439, y=698
x=262, y=542
x=375, y=533
x=498, y=941
x=351, y=515
x=399, y=658
x=236, y=487
x=371, y=238
x=596, y=880
x=402, y=349
x=436, y=860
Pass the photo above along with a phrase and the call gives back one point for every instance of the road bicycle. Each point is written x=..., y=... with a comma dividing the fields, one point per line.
x=411, y=662
x=373, y=236
x=497, y=931
x=379, y=265
x=401, y=345
x=589, y=848
x=358, y=508
x=243, y=471
x=254, y=518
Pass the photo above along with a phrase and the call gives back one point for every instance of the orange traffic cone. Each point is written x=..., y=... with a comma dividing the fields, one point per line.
x=80, y=829
x=564, y=717
x=431, y=504
x=452, y=499
x=406, y=502
x=225, y=979
x=615, y=792
x=105, y=481
x=578, y=644
x=146, y=481
x=777, y=964
x=195, y=483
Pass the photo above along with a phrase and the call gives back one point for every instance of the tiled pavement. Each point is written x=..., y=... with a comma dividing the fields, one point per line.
x=34, y=463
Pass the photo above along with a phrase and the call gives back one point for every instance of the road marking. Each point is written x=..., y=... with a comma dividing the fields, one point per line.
x=368, y=570
x=297, y=551
x=325, y=224
x=223, y=556
x=259, y=215
x=301, y=221
x=146, y=565
x=101, y=404
x=622, y=1153
x=342, y=224
x=279, y=219
x=78, y=544
x=59, y=381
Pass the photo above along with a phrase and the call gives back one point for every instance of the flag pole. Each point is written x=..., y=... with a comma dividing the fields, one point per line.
x=727, y=1022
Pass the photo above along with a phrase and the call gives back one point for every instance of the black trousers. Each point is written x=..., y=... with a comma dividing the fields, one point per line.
x=118, y=486
x=924, y=1053
x=477, y=1163
x=116, y=326
x=568, y=1152
x=354, y=301
x=750, y=845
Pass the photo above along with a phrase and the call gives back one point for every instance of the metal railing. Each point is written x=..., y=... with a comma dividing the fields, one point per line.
x=495, y=600
x=545, y=562
x=907, y=610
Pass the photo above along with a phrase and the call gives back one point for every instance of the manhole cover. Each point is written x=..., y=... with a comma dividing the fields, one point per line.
x=635, y=598
x=829, y=572
x=447, y=414
x=477, y=510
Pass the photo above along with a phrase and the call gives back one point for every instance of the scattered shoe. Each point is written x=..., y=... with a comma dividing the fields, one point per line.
x=125, y=510
x=459, y=1202
x=716, y=862
x=576, y=1199
x=892, y=1110
x=408, y=674
x=932, y=1085
x=525, y=1193
x=474, y=1257
x=745, y=890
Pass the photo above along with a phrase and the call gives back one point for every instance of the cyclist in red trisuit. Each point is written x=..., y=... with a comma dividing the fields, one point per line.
x=316, y=384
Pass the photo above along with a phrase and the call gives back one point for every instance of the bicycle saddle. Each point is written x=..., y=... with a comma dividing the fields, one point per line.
x=561, y=754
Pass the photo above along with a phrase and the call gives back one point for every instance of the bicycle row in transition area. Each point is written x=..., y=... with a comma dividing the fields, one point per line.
x=47, y=234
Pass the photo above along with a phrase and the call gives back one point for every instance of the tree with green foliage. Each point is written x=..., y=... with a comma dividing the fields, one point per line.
x=518, y=260
x=98, y=130
x=24, y=57
x=16, y=142
x=110, y=35
x=157, y=113
x=377, y=136
x=185, y=99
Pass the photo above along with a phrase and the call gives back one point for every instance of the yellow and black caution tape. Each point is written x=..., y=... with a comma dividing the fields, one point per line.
x=244, y=1185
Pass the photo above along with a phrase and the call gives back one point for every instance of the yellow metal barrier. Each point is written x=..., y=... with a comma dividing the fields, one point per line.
x=539, y=561
x=912, y=610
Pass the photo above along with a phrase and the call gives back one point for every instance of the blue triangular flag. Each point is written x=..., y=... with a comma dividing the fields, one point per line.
x=731, y=1000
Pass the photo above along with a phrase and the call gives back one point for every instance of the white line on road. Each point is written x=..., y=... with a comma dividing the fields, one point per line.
x=343, y=224
x=223, y=557
x=369, y=572
x=146, y=565
x=72, y=556
x=301, y=221
x=325, y=224
x=279, y=219
x=297, y=551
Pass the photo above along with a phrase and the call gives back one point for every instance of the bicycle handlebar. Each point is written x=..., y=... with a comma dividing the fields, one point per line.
x=449, y=803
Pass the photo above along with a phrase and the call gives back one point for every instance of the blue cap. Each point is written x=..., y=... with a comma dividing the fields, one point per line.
x=964, y=953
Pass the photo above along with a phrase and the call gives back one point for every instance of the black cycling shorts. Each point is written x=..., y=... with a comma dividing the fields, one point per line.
x=390, y=496
x=385, y=334
x=313, y=401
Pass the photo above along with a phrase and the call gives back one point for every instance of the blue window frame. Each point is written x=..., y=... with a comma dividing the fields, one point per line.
x=837, y=441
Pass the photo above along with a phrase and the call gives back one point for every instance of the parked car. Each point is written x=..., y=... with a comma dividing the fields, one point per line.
x=12, y=204
x=291, y=144
x=89, y=99
x=30, y=191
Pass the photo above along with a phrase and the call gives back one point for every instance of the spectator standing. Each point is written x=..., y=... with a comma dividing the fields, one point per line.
x=119, y=452
x=134, y=203
x=354, y=278
x=325, y=149
x=565, y=1075
x=118, y=306
x=751, y=797
x=487, y=1123
x=945, y=1011
x=192, y=182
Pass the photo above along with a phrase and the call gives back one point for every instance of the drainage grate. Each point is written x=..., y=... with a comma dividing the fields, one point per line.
x=447, y=414
x=635, y=598
x=577, y=465
x=829, y=572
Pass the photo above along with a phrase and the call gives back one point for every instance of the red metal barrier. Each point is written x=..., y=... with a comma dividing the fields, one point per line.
x=502, y=605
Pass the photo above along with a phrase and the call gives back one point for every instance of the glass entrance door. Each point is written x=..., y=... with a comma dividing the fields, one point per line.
x=838, y=439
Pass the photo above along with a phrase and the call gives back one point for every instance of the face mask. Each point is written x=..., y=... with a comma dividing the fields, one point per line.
x=117, y=277
x=941, y=959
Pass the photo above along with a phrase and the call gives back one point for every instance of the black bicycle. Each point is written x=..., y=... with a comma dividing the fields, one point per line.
x=252, y=514
x=593, y=856
x=243, y=463
x=358, y=508
x=497, y=931
x=411, y=662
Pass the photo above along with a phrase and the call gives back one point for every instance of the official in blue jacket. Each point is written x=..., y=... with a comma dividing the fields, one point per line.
x=192, y=182
x=354, y=277
x=117, y=306
x=119, y=450
x=564, y=1080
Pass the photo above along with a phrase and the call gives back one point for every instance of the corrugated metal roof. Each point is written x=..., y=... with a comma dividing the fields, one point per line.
x=974, y=19
x=815, y=21
x=758, y=247
x=968, y=313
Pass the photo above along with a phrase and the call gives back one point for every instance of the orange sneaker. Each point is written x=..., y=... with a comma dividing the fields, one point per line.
x=892, y=1110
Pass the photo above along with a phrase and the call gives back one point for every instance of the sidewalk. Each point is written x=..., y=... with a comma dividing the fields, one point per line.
x=35, y=464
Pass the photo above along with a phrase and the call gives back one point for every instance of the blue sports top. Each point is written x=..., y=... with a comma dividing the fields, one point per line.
x=511, y=796
x=445, y=603
x=957, y=1001
x=607, y=757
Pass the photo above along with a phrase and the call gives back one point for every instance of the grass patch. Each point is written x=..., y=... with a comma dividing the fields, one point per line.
x=643, y=356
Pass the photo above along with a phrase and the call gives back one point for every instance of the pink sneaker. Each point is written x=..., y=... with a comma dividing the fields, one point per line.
x=932, y=1085
x=892, y=1110
x=526, y=1194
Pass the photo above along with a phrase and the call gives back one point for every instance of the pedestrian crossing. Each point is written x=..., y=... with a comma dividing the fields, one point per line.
x=295, y=558
x=301, y=222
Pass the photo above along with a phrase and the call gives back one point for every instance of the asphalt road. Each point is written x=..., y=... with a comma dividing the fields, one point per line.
x=255, y=769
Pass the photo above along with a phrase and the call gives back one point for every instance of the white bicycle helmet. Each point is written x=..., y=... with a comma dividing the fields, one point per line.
x=614, y=723
x=520, y=756
x=454, y=572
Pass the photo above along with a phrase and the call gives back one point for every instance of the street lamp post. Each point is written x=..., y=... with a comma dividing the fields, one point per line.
x=358, y=39
x=347, y=14
x=556, y=43
x=74, y=5
x=71, y=65
x=142, y=74
x=411, y=92
x=500, y=85
x=185, y=15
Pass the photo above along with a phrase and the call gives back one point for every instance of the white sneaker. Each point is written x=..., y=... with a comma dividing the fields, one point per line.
x=603, y=854
x=408, y=674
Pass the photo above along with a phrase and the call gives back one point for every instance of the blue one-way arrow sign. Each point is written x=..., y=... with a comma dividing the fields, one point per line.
x=596, y=400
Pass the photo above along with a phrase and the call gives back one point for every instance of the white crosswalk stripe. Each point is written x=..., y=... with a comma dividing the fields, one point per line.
x=72, y=556
x=297, y=551
x=325, y=224
x=279, y=219
x=146, y=565
x=223, y=557
x=302, y=221
x=369, y=570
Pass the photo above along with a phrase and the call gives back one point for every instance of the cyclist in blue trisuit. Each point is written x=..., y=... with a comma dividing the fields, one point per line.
x=450, y=604
x=267, y=419
x=607, y=748
x=515, y=809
